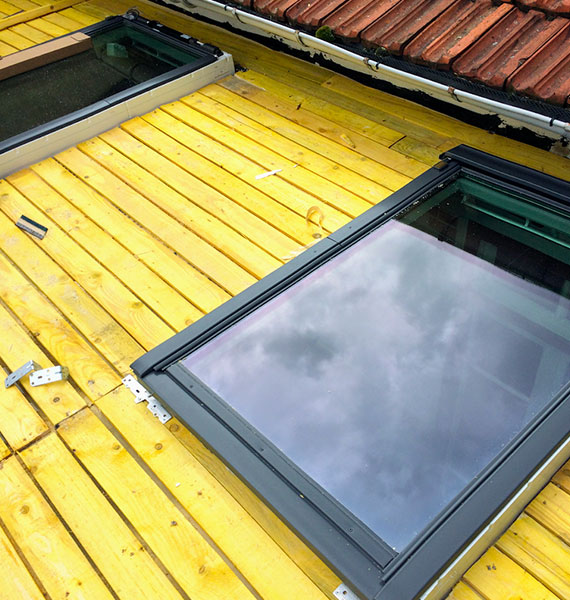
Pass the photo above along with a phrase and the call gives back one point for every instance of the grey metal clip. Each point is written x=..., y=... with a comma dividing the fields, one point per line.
x=50, y=375
x=19, y=373
x=142, y=394
x=344, y=592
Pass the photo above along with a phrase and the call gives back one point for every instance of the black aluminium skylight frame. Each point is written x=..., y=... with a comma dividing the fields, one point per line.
x=207, y=54
x=365, y=562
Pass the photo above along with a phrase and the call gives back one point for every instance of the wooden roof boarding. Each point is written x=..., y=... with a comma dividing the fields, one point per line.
x=150, y=226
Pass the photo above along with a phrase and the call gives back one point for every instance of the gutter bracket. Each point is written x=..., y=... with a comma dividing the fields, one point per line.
x=141, y=394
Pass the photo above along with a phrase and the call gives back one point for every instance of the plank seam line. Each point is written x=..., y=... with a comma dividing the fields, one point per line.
x=140, y=539
x=44, y=298
x=548, y=526
x=114, y=207
x=117, y=240
x=202, y=207
x=346, y=149
x=27, y=396
x=294, y=186
x=169, y=495
x=528, y=569
x=312, y=170
x=232, y=200
x=55, y=225
x=66, y=525
x=154, y=235
x=186, y=226
x=37, y=580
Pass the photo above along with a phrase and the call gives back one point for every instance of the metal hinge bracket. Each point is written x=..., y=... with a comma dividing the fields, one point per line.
x=45, y=376
x=21, y=372
x=142, y=394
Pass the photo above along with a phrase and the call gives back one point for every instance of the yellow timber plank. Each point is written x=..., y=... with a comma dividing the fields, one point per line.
x=141, y=281
x=209, y=260
x=199, y=209
x=497, y=577
x=113, y=547
x=24, y=4
x=35, y=13
x=442, y=124
x=48, y=28
x=408, y=146
x=284, y=96
x=6, y=49
x=63, y=21
x=562, y=478
x=19, y=422
x=71, y=297
x=88, y=369
x=551, y=508
x=16, y=580
x=313, y=89
x=362, y=135
x=170, y=137
x=15, y=39
x=81, y=17
x=257, y=557
x=91, y=9
x=8, y=9
x=540, y=553
x=34, y=35
x=49, y=549
x=193, y=563
x=192, y=284
x=301, y=554
x=300, y=166
x=59, y=399
x=336, y=151
x=174, y=174
x=463, y=592
x=4, y=450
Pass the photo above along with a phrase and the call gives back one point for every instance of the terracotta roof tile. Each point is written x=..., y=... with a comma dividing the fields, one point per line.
x=556, y=7
x=274, y=8
x=400, y=24
x=502, y=50
x=500, y=43
x=310, y=13
x=460, y=26
x=546, y=74
x=244, y=3
x=355, y=15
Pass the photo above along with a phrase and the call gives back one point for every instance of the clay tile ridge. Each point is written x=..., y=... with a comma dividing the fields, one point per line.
x=459, y=27
x=402, y=23
x=506, y=46
x=356, y=15
x=546, y=74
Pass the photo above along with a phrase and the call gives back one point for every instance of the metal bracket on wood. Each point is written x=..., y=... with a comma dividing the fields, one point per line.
x=50, y=375
x=21, y=372
x=142, y=394
x=344, y=592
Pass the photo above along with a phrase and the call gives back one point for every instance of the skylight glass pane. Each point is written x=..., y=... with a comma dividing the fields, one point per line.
x=396, y=372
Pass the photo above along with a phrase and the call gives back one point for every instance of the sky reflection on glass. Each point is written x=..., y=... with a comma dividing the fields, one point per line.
x=395, y=373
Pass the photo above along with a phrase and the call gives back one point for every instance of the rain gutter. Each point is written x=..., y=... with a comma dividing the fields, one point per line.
x=299, y=40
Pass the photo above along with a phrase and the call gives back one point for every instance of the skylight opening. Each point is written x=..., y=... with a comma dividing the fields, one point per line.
x=69, y=89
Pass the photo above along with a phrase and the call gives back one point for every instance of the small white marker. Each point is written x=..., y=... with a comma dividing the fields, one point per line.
x=269, y=173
